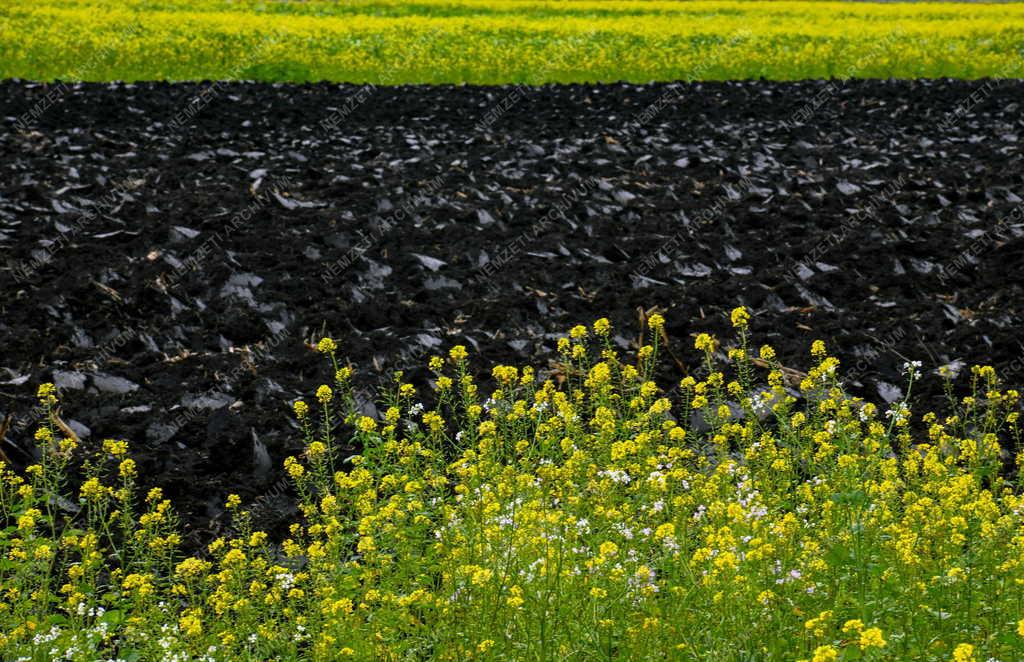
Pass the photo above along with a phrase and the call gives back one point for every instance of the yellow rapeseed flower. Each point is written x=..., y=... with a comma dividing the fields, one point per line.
x=92, y=489
x=872, y=638
x=854, y=625
x=825, y=654
x=127, y=468
x=367, y=424
x=294, y=469
x=140, y=584
x=191, y=568
x=47, y=393
x=115, y=447
x=190, y=623
x=434, y=421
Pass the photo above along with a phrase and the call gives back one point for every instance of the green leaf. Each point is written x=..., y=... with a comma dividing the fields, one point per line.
x=856, y=498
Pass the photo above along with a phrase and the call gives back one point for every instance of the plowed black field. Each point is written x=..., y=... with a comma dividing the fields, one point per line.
x=169, y=251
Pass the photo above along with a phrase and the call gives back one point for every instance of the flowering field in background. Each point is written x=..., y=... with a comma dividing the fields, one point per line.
x=505, y=41
x=583, y=517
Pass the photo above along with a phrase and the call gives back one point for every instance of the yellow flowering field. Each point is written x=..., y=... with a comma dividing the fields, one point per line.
x=592, y=515
x=503, y=41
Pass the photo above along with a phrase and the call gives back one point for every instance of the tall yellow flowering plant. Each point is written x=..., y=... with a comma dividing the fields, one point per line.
x=579, y=519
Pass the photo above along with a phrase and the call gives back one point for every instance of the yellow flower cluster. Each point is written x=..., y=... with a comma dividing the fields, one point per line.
x=740, y=317
x=117, y=448
x=47, y=393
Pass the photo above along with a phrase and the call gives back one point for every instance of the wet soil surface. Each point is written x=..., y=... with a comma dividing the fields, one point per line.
x=170, y=252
